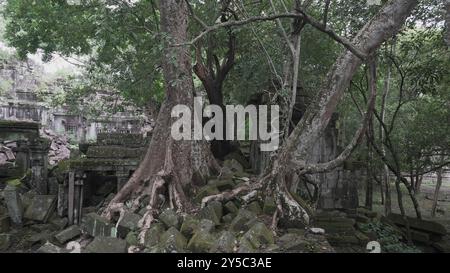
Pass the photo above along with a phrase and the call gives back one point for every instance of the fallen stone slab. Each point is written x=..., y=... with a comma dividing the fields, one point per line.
x=41, y=237
x=59, y=223
x=239, y=222
x=50, y=248
x=128, y=223
x=225, y=244
x=231, y=207
x=153, y=235
x=201, y=242
x=414, y=223
x=95, y=225
x=14, y=204
x=170, y=219
x=106, y=245
x=4, y=223
x=189, y=226
x=68, y=234
x=209, y=212
x=259, y=235
x=5, y=241
x=172, y=241
x=442, y=246
x=41, y=208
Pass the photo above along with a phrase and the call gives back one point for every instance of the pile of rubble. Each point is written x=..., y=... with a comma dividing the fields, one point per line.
x=232, y=226
x=29, y=222
x=7, y=156
x=59, y=148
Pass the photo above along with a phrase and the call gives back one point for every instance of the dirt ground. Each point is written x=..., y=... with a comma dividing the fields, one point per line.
x=424, y=198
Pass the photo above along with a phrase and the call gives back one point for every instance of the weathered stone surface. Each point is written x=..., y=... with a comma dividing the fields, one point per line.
x=259, y=235
x=40, y=237
x=42, y=227
x=106, y=245
x=50, y=248
x=342, y=239
x=206, y=225
x=120, y=139
x=317, y=230
x=231, y=207
x=222, y=185
x=442, y=246
x=5, y=241
x=41, y=208
x=242, y=218
x=210, y=213
x=132, y=238
x=363, y=238
x=233, y=165
x=205, y=191
x=225, y=244
x=254, y=207
x=4, y=223
x=421, y=237
x=128, y=223
x=201, y=242
x=245, y=246
x=423, y=225
x=114, y=152
x=228, y=218
x=189, y=226
x=269, y=206
x=68, y=234
x=172, y=241
x=218, y=208
x=366, y=212
x=27, y=198
x=297, y=243
x=95, y=225
x=362, y=218
x=292, y=242
x=154, y=234
x=170, y=219
x=59, y=223
x=13, y=203
x=336, y=224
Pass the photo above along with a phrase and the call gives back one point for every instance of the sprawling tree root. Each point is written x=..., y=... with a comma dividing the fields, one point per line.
x=228, y=195
x=165, y=185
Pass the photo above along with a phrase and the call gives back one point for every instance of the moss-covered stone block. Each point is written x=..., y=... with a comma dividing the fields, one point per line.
x=153, y=235
x=172, y=241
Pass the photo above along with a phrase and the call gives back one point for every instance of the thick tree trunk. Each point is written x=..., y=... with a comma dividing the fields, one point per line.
x=169, y=166
x=383, y=26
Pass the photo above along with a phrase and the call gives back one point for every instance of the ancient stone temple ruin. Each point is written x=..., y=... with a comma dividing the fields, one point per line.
x=24, y=91
x=106, y=167
x=23, y=152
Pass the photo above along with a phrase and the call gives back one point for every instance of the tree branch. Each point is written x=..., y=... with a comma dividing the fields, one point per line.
x=324, y=167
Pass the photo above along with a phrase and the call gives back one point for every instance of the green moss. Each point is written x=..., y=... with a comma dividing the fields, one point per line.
x=14, y=182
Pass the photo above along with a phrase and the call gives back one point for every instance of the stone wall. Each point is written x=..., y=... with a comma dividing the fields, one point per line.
x=19, y=100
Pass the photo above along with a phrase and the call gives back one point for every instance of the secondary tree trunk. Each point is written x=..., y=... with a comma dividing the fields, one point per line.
x=383, y=26
x=385, y=184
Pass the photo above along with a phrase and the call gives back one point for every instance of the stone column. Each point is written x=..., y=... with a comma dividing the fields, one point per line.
x=122, y=178
x=39, y=164
x=75, y=197
x=14, y=204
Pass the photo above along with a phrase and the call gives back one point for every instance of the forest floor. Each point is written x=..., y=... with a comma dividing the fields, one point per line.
x=425, y=199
